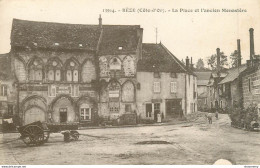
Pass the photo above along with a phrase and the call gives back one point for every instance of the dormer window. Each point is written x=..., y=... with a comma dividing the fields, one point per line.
x=173, y=75
x=80, y=45
x=54, y=63
x=156, y=75
x=57, y=44
x=120, y=48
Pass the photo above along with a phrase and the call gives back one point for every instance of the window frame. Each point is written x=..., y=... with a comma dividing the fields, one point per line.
x=85, y=113
x=4, y=89
x=157, y=89
x=173, y=87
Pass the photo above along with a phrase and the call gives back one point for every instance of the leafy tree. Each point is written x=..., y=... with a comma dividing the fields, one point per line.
x=212, y=61
x=200, y=64
x=234, y=58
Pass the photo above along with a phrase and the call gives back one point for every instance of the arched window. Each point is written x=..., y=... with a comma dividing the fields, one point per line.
x=88, y=71
x=103, y=67
x=115, y=64
x=114, y=94
x=72, y=72
x=128, y=92
x=129, y=67
x=35, y=70
x=20, y=71
x=54, y=70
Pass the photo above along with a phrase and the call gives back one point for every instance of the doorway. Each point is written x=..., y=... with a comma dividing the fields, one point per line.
x=173, y=108
x=63, y=115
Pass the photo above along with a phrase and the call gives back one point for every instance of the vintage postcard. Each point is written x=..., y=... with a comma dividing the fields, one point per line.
x=133, y=82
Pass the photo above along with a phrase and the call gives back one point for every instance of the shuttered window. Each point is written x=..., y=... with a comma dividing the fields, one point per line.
x=157, y=87
x=173, y=87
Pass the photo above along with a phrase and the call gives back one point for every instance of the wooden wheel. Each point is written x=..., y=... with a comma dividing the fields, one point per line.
x=75, y=134
x=33, y=135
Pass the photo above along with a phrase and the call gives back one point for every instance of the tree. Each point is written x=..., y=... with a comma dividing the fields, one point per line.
x=234, y=58
x=200, y=64
x=212, y=61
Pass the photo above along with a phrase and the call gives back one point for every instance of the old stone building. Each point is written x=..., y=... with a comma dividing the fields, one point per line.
x=118, y=54
x=251, y=77
x=166, y=85
x=55, y=68
x=7, y=87
x=72, y=73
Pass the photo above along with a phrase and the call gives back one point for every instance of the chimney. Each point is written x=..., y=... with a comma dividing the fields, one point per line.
x=187, y=62
x=252, y=48
x=191, y=64
x=239, y=53
x=100, y=21
x=218, y=59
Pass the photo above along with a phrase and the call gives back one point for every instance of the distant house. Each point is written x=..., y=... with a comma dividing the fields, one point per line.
x=165, y=84
x=212, y=90
x=202, y=82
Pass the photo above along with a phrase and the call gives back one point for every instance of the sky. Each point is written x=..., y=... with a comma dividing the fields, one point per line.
x=193, y=34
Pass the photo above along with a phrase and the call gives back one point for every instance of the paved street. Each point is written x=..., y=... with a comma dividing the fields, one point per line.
x=189, y=143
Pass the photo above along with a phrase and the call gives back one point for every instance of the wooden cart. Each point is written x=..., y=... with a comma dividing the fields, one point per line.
x=37, y=133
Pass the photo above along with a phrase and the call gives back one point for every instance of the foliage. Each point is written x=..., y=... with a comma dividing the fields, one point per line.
x=212, y=61
x=234, y=58
x=242, y=118
x=200, y=64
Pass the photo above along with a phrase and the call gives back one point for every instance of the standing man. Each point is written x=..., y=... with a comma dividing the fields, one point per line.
x=209, y=118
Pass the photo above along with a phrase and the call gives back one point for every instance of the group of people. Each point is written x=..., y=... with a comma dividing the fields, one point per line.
x=209, y=116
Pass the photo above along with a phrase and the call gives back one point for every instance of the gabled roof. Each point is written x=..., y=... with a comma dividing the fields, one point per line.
x=233, y=74
x=5, y=67
x=203, y=77
x=115, y=36
x=156, y=57
x=107, y=39
x=46, y=34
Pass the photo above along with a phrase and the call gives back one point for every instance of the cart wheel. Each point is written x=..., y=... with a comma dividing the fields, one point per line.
x=75, y=134
x=46, y=136
x=33, y=135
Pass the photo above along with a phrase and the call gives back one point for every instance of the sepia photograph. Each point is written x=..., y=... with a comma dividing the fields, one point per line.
x=133, y=82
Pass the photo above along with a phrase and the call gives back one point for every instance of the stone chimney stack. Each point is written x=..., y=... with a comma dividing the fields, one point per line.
x=252, y=48
x=191, y=64
x=218, y=59
x=239, y=53
x=100, y=21
x=187, y=62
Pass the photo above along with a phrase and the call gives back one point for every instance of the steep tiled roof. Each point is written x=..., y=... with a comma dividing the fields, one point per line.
x=233, y=73
x=5, y=67
x=115, y=36
x=46, y=34
x=203, y=77
x=156, y=57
